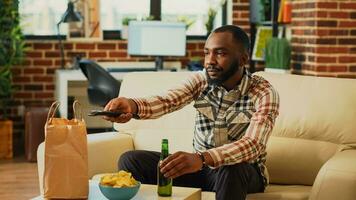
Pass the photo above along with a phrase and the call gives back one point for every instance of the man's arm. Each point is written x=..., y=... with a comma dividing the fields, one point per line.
x=250, y=146
x=174, y=99
x=156, y=106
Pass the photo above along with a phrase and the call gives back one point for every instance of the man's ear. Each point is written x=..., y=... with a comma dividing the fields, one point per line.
x=244, y=58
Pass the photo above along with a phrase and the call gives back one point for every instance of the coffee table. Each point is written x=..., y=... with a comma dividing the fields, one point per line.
x=146, y=192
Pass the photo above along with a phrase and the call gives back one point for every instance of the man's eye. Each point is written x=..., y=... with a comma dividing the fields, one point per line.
x=206, y=53
x=221, y=53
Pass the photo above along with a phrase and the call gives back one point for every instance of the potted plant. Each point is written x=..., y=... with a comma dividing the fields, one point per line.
x=212, y=11
x=209, y=24
x=125, y=27
x=186, y=20
x=11, y=53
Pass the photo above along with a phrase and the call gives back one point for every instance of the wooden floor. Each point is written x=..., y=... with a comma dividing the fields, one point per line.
x=18, y=179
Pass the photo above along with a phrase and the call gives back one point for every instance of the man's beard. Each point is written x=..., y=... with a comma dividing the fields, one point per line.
x=233, y=68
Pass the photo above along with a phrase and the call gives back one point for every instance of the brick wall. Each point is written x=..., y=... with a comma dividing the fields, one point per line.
x=324, y=38
x=241, y=14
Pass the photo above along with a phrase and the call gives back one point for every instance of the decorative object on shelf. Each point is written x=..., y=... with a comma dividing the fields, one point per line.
x=260, y=11
x=11, y=53
x=186, y=20
x=125, y=27
x=214, y=5
x=264, y=33
x=285, y=12
x=209, y=25
x=70, y=15
x=278, y=53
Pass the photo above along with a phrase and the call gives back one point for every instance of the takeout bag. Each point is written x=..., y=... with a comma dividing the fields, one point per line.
x=66, y=156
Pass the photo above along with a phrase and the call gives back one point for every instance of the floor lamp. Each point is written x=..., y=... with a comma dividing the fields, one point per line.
x=69, y=16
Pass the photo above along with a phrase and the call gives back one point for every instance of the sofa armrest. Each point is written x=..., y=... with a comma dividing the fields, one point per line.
x=337, y=178
x=104, y=149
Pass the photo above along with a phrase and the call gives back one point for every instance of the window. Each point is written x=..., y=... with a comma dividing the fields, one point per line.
x=191, y=11
x=40, y=17
x=112, y=12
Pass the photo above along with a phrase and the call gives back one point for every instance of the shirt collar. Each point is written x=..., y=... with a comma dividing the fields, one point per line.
x=242, y=87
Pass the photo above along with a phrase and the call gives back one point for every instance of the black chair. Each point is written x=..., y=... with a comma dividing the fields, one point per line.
x=102, y=85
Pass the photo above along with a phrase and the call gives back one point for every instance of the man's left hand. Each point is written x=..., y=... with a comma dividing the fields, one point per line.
x=180, y=163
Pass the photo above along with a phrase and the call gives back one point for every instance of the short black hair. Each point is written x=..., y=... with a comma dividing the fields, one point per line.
x=238, y=34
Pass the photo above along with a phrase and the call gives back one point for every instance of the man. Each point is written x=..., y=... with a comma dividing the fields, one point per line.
x=235, y=116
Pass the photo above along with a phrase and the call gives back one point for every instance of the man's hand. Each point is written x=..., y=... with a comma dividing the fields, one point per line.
x=121, y=104
x=180, y=163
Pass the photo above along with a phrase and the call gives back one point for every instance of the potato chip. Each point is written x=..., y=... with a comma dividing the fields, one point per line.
x=118, y=180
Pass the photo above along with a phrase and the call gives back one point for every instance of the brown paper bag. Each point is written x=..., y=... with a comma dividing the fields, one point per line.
x=66, y=156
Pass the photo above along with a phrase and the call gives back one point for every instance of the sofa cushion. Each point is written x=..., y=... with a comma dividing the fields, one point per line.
x=285, y=192
x=150, y=139
x=315, y=108
x=273, y=192
x=296, y=161
x=319, y=111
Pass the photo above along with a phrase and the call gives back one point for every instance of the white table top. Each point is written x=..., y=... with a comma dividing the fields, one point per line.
x=146, y=192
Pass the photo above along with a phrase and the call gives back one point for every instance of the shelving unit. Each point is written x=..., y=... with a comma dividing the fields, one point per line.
x=270, y=18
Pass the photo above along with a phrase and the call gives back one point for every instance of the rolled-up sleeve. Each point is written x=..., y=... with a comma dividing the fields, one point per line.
x=174, y=99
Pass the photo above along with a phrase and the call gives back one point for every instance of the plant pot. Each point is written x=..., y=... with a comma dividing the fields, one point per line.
x=5, y=139
x=125, y=32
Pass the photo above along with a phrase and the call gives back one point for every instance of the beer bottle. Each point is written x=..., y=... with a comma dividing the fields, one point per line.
x=164, y=184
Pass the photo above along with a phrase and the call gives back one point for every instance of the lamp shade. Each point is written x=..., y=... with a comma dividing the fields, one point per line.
x=70, y=15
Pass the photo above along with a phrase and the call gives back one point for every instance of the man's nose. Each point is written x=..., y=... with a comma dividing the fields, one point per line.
x=210, y=59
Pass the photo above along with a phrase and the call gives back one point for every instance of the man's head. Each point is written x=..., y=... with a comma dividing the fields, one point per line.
x=226, y=52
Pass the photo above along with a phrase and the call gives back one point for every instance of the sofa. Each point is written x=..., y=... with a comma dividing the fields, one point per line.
x=311, y=153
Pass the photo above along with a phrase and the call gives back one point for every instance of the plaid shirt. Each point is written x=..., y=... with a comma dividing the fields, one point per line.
x=232, y=126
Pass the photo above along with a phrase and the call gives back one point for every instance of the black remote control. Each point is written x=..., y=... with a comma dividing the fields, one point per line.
x=104, y=113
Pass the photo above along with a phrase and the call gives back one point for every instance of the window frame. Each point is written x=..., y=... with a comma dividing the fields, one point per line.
x=155, y=11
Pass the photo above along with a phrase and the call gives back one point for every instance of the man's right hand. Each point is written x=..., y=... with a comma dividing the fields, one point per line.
x=121, y=104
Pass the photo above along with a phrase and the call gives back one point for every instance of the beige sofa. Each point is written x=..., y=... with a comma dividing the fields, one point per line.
x=311, y=153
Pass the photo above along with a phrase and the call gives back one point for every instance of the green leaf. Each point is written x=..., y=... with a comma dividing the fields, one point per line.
x=12, y=46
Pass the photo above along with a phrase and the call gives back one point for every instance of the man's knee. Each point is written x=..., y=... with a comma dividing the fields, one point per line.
x=234, y=173
x=126, y=159
x=232, y=181
x=234, y=169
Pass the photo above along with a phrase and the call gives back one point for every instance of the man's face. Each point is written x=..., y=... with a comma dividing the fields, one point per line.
x=222, y=57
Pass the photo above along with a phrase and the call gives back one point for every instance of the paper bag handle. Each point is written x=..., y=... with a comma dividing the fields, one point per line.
x=52, y=110
x=79, y=111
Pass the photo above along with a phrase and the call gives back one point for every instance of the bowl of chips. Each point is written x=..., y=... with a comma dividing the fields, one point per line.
x=119, y=186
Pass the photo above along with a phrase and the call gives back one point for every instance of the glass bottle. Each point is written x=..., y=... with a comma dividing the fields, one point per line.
x=164, y=185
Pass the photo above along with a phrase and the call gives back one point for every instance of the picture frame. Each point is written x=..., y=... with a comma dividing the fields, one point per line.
x=264, y=33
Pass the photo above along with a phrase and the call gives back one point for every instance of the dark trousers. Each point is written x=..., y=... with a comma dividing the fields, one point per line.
x=228, y=182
